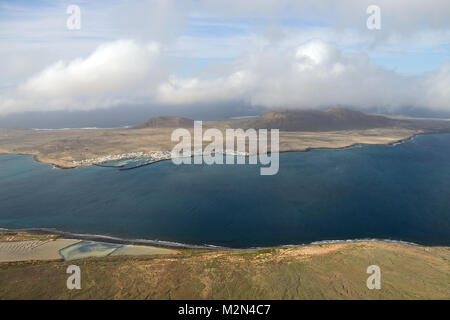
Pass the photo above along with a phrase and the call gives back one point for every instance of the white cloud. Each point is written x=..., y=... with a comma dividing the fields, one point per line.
x=314, y=74
x=193, y=90
x=115, y=72
x=436, y=86
x=275, y=62
x=403, y=16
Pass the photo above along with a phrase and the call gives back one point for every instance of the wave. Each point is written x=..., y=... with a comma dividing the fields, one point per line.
x=366, y=240
x=113, y=239
x=180, y=245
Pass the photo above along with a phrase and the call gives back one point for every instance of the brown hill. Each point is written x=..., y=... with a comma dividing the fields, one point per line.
x=166, y=122
x=315, y=120
x=307, y=120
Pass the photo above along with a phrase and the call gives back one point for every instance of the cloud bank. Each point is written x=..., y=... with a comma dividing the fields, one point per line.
x=311, y=75
x=115, y=72
x=270, y=53
x=314, y=74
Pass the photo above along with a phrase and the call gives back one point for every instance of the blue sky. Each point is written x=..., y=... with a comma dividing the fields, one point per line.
x=97, y=27
x=200, y=40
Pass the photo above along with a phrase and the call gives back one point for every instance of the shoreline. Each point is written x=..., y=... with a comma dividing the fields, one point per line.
x=308, y=149
x=178, y=245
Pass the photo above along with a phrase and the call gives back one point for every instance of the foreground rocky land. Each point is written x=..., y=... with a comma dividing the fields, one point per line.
x=328, y=271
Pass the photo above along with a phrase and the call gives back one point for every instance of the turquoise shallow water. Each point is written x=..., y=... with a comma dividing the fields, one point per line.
x=397, y=192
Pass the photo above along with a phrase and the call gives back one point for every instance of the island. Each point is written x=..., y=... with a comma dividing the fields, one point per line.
x=300, y=130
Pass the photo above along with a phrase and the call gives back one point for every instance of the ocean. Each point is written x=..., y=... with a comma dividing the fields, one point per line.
x=396, y=192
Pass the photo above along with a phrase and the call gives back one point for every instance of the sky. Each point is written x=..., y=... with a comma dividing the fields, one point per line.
x=262, y=53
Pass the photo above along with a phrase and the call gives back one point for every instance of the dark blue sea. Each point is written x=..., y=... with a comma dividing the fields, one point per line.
x=397, y=192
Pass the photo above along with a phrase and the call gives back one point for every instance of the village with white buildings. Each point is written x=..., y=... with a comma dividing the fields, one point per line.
x=152, y=156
